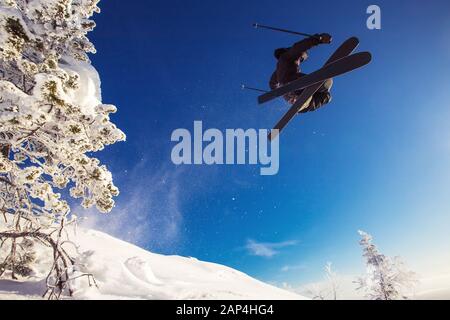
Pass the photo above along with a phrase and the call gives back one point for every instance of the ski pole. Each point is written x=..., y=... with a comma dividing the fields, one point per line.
x=257, y=25
x=244, y=87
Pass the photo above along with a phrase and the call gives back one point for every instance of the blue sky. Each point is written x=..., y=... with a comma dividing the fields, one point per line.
x=377, y=158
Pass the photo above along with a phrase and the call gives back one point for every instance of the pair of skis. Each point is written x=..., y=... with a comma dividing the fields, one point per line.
x=342, y=61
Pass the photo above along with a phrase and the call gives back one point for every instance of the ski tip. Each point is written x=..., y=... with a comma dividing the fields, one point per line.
x=367, y=56
x=363, y=57
x=255, y=25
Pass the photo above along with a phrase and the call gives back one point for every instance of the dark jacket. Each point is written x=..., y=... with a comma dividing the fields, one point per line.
x=287, y=69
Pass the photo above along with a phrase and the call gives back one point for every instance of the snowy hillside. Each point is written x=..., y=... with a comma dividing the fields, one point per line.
x=124, y=271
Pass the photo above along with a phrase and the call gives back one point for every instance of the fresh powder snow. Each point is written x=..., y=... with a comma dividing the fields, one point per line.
x=125, y=271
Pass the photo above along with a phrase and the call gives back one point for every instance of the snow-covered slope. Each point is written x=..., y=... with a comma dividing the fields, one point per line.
x=124, y=271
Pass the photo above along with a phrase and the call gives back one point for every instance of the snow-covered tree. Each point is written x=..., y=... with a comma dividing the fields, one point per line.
x=51, y=122
x=326, y=290
x=386, y=278
x=332, y=280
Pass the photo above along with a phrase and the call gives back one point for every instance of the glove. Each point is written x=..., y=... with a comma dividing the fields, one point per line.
x=324, y=38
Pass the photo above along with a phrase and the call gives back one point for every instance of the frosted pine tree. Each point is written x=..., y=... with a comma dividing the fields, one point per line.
x=51, y=122
x=386, y=278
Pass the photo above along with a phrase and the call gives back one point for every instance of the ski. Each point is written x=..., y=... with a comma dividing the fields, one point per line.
x=302, y=102
x=345, y=49
x=305, y=98
x=331, y=70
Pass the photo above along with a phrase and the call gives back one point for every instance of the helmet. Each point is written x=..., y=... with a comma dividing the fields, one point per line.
x=279, y=52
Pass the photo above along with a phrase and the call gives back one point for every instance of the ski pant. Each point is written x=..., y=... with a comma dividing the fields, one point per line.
x=321, y=97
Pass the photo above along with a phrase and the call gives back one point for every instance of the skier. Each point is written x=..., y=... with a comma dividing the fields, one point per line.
x=288, y=69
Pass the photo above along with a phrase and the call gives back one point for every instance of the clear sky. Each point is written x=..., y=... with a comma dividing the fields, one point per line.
x=377, y=158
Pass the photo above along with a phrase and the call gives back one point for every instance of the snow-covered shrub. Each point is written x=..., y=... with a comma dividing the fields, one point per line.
x=51, y=121
x=326, y=290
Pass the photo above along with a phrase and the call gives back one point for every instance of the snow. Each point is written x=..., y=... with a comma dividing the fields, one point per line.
x=88, y=94
x=429, y=287
x=125, y=271
x=435, y=287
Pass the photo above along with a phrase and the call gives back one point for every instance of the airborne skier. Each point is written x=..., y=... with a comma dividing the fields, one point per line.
x=308, y=92
x=288, y=70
